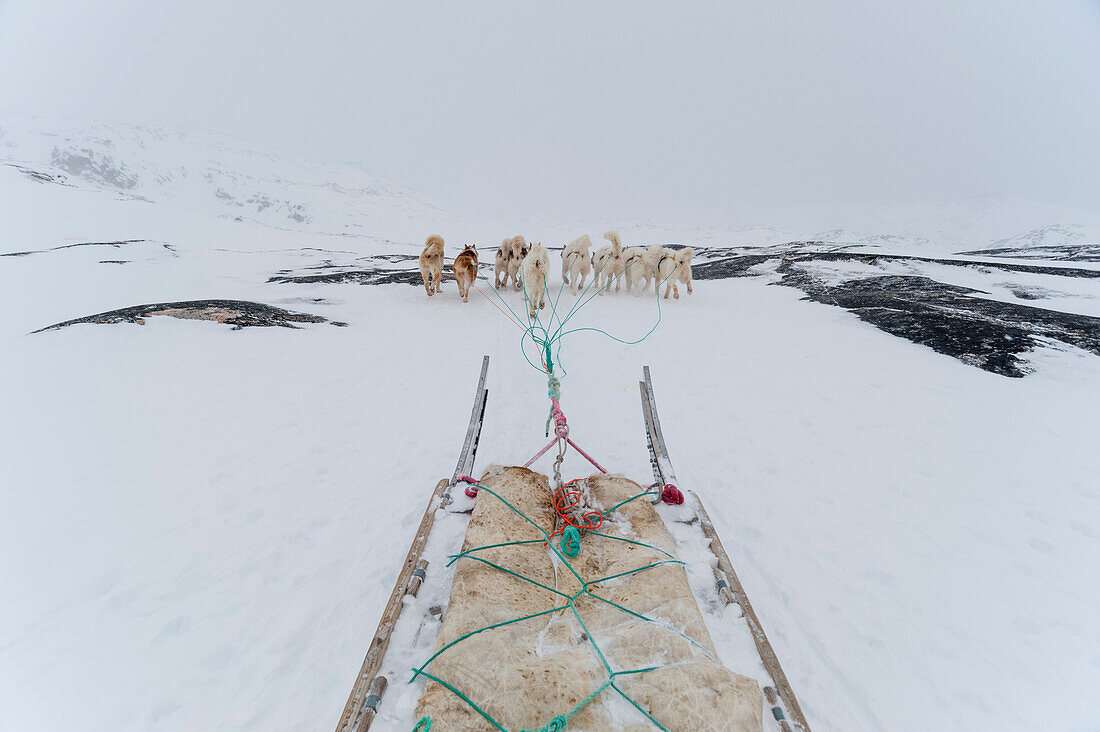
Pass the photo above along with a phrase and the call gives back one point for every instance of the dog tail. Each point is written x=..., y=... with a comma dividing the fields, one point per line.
x=434, y=240
x=616, y=244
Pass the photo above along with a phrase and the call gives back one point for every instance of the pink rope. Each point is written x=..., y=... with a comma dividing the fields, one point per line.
x=561, y=432
x=541, y=452
x=562, y=429
x=586, y=455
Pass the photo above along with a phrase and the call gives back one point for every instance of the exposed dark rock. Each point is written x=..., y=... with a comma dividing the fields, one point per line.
x=949, y=319
x=328, y=273
x=115, y=244
x=38, y=176
x=238, y=313
x=875, y=259
x=93, y=166
x=358, y=277
x=724, y=267
x=1061, y=252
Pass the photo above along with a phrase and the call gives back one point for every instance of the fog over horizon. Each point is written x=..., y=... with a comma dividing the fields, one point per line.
x=688, y=110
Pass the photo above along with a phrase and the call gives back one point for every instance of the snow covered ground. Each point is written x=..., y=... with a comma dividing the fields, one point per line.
x=199, y=526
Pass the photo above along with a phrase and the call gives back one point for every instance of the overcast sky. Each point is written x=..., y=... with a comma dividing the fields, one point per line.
x=674, y=109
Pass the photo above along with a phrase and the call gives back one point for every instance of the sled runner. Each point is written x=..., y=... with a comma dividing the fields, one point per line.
x=784, y=704
x=369, y=686
x=476, y=680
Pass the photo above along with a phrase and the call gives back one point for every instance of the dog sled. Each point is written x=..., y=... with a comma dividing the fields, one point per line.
x=486, y=629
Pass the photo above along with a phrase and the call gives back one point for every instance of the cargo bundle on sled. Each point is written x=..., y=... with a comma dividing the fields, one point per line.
x=529, y=606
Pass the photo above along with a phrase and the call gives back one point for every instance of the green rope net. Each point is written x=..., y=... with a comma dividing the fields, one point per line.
x=560, y=721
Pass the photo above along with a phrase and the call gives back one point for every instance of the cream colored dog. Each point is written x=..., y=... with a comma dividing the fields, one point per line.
x=504, y=258
x=634, y=267
x=515, y=265
x=608, y=262
x=536, y=271
x=431, y=264
x=651, y=257
x=576, y=262
x=675, y=267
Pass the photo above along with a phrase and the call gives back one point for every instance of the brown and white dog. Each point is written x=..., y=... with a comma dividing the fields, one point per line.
x=504, y=257
x=431, y=264
x=675, y=267
x=576, y=262
x=608, y=262
x=466, y=271
x=515, y=265
x=536, y=272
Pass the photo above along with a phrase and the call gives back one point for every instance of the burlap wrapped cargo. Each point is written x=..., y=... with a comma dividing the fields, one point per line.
x=631, y=651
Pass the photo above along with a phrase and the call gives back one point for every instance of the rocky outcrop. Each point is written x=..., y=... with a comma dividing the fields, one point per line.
x=238, y=313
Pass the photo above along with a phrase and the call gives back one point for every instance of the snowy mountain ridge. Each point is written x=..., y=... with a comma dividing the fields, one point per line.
x=209, y=172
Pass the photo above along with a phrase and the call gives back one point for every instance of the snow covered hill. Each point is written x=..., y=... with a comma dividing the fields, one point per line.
x=200, y=525
x=209, y=173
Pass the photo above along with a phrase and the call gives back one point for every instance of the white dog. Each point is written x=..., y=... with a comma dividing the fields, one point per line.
x=536, y=271
x=634, y=267
x=504, y=257
x=650, y=259
x=675, y=267
x=576, y=262
x=608, y=262
x=515, y=264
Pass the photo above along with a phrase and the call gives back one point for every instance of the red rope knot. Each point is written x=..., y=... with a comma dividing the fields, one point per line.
x=564, y=500
x=672, y=494
x=471, y=488
x=562, y=429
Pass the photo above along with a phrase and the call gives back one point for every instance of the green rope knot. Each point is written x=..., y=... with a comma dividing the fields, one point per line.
x=553, y=387
x=423, y=725
x=553, y=390
x=570, y=543
x=557, y=724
